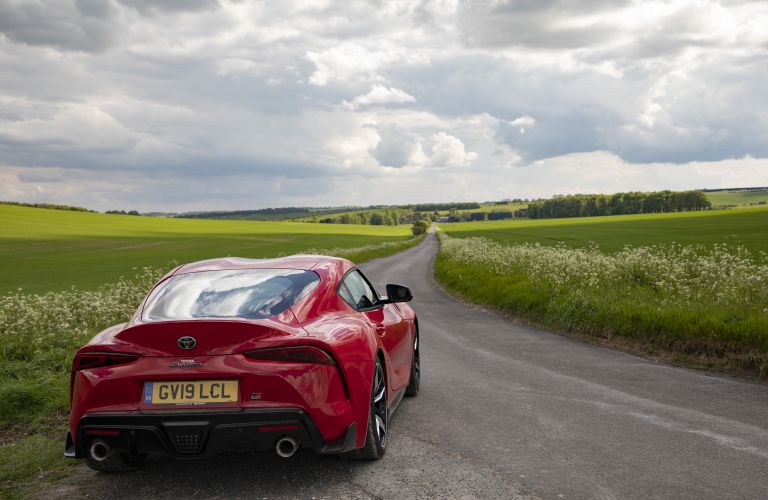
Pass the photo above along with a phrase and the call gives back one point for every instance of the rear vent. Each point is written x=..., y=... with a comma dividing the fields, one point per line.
x=187, y=442
x=187, y=438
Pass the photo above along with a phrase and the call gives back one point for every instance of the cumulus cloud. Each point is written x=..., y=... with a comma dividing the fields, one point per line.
x=299, y=98
x=352, y=61
x=397, y=147
x=449, y=151
x=379, y=94
x=522, y=123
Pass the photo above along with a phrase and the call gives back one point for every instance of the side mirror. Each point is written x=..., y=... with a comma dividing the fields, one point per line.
x=398, y=293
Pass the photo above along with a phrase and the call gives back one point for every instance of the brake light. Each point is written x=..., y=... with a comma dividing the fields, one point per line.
x=300, y=354
x=87, y=360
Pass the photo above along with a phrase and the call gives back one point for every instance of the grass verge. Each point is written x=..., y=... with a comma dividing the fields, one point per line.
x=30, y=464
x=705, y=308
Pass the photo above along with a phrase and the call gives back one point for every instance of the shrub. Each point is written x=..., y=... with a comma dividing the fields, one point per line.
x=419, y=227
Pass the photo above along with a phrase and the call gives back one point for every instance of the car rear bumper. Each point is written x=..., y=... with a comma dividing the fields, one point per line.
x=201, y=434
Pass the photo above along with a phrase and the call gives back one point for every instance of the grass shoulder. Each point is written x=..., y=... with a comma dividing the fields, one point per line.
x=633, y=316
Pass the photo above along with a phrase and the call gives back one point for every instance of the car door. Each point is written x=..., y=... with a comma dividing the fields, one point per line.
x=392, y=328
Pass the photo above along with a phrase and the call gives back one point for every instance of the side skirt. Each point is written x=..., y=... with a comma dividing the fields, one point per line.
x=396, y=401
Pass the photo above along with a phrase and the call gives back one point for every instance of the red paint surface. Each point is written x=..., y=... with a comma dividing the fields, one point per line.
x=320, y=319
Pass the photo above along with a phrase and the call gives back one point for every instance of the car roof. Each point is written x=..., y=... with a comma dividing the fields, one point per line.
x=305, y=262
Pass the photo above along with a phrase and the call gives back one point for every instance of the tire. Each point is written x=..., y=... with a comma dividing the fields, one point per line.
x=415, y=381
x=378, y=419
x=116, y=462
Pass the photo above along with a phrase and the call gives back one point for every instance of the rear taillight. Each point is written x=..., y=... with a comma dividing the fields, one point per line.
x=299, y=354
x=86, y=360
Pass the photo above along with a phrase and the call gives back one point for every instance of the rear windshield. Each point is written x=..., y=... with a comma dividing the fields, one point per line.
x=234, y=294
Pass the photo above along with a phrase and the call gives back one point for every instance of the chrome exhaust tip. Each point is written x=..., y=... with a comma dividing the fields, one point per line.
x=286, y=447
x=99, y=450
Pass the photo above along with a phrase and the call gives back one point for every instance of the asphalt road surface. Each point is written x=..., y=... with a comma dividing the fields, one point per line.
x=505, y=411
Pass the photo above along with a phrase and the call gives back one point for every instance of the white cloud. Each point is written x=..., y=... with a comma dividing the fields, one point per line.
x=303, y=97
x=350, y=62
x=379, y=94
x=522, y=123
x=67, y=127
x=397, y=147
x=449, y=151
x=604, y=172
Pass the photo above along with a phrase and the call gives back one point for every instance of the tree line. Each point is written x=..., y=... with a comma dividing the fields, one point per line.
x=50, y=206
x=431, y=207
x=390, y=217
x=588, y=205
x=122, y=212
x=232, y=214
x=496, y=214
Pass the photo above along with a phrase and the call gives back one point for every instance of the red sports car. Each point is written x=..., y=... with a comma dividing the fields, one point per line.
x=247, y=355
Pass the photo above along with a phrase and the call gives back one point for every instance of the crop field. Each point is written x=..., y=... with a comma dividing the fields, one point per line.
x=748, y=228
x=740, y=198
x=689, y=287
x=42, y=250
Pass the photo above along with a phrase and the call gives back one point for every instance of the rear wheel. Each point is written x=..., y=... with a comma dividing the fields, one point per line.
x=413, y=384
x=116, y=462
x=376, y=437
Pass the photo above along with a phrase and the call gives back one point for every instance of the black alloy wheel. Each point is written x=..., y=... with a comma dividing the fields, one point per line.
x=378, y=420
x=380, y=410
x=415, y=381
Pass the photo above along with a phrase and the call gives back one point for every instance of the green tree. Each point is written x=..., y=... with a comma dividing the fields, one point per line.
x=419, y=227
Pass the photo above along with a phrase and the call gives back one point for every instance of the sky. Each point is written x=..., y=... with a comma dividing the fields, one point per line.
x=175, y=105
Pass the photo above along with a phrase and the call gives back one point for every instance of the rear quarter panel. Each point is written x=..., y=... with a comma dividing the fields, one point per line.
x=354, y=346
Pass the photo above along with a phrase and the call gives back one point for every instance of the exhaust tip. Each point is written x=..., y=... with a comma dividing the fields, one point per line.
x=99, y=450
x=286, y=447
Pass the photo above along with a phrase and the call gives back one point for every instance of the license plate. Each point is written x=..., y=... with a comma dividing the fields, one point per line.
x=191, y=392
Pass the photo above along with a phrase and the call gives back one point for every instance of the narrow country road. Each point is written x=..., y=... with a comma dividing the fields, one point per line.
x=507, y=410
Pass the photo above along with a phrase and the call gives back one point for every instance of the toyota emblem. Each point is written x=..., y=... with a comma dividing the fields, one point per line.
x=187, y=342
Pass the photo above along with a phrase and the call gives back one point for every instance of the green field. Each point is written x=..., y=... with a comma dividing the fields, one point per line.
x=748, y=228
x=702, y=302
x=42, y=250
x=737, y=198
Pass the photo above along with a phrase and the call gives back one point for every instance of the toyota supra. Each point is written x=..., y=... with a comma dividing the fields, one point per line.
x=243, y=355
